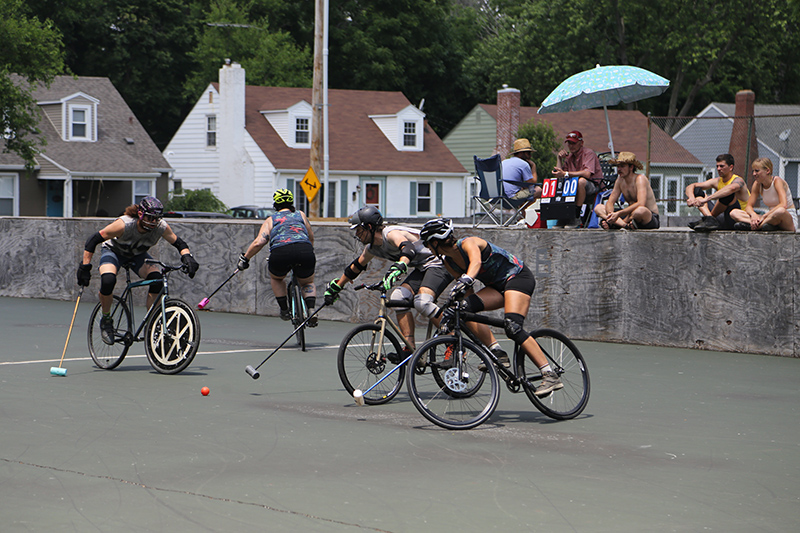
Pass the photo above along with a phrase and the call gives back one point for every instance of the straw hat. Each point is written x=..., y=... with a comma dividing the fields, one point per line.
x=627, y=158
x=522, y=145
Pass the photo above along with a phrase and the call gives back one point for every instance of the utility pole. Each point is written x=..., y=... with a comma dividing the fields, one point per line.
x=316, y=104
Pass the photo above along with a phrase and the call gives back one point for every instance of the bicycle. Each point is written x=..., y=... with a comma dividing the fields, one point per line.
x=452, y=395
x=298, y=311
x=367, y=350
x=169, y=349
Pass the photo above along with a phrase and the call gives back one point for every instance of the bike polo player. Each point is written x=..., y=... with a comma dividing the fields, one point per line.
x=402, y=245
x=507, y=283
x=127, y=240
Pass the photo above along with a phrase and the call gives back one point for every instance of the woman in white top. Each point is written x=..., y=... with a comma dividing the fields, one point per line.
x=776, y=195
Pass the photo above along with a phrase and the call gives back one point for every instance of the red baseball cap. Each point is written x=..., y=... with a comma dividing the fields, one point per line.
x=574, y=136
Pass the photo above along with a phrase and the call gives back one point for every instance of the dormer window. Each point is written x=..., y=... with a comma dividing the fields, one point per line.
x=302, y=131
x=80, y=123
x=403, y=129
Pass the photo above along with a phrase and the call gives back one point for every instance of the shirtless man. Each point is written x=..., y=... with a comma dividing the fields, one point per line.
x=642, y=210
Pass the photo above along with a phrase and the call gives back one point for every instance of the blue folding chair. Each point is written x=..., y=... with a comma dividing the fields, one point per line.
x=491, y=199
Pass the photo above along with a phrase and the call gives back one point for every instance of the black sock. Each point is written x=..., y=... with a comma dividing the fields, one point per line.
x=283, y=302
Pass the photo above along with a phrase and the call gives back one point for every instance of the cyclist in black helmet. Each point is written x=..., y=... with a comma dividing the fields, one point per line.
x=419, y=289
x=507, y=283
x=127, y=240
x=291, y=247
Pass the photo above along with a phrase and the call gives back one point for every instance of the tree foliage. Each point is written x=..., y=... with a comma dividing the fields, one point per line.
x=31, y=50
x=544, y=141
x=196, y=200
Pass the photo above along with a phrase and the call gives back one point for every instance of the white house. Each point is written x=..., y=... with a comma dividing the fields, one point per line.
x=243, y=142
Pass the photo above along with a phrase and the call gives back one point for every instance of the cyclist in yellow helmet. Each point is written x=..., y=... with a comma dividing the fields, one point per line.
x=291, y=248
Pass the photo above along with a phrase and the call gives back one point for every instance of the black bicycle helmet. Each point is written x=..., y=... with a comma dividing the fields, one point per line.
x=151, y=207
x=369, y=217
x=438, y=229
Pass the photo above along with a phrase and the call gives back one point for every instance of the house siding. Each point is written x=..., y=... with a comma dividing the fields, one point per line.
x=54, y=114
x=475, y=135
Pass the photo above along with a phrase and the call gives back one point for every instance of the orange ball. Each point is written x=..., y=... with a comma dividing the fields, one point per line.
x=204, y=391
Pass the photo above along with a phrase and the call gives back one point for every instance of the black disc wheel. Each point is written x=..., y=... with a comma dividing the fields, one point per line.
x=171, y=338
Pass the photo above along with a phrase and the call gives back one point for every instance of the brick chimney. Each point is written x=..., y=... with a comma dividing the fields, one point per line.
x=507, y=119
x=744, y=126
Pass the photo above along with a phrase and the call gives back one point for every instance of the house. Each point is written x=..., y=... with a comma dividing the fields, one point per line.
x=488, y=129
x=243, y=142
x=773, y=132
x=98, y=158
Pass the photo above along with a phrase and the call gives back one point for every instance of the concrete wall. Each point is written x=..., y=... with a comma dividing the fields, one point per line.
x=672, y=287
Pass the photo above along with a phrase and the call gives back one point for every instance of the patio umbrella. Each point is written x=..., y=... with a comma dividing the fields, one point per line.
x=604, y=86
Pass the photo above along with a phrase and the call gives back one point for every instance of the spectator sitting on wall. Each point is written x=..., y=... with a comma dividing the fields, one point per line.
x=584, y=163
x=776, y=195
x=731, y=194
x=519, y=173
x=642, y=210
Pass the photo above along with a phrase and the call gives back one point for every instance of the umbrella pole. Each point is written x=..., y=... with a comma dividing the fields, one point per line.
x=608, y=125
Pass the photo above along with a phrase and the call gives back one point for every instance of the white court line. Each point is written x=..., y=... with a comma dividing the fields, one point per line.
x=10, y=363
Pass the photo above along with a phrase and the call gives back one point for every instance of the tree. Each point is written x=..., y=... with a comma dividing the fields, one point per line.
x=544, y=141
x=31, y=50
x=196, y=200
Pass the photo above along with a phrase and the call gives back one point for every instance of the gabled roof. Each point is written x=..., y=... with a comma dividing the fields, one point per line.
x=356, y=142
x=773, y=124
x=628, y=130
x=111, y=153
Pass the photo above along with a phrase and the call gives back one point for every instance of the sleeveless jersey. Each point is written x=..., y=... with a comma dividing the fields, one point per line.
x=721, y=184
x=423, y=258
x=497, y=264
x=132, y=243
x=287, y=228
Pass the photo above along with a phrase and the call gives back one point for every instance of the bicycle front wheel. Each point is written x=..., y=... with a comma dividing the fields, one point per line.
x=171, y=348
x=454, y=394
x=107, y=356
x=299, y=314
x=361, y=366
x=566, y=360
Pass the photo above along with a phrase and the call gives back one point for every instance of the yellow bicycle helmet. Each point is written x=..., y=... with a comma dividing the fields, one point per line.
x=283, y=196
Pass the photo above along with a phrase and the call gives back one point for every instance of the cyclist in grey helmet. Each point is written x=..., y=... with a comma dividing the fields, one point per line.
x=424, y=276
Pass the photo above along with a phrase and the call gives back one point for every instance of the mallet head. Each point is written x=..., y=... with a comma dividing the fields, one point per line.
x=57, y=371
x=252, y=372
x=203, y=303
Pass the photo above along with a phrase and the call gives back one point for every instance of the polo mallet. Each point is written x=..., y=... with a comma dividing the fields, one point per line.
x=204, y=302
x=58, y=371
x=253, y=372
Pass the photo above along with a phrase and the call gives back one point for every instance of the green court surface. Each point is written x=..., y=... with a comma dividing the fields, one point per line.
x=672, y=440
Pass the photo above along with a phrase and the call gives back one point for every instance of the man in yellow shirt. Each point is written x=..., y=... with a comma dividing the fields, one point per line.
x=731, y=193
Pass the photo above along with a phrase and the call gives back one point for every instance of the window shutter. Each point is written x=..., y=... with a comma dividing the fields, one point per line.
x=412, y=209
x=290, y=186
x=343, y=192
x=438, y=198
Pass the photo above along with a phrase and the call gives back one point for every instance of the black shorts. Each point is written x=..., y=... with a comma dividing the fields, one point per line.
x=298, y=257
x=522, y=282
x=433, y=278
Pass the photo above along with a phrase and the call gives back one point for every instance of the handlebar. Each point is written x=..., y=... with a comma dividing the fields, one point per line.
x=165, y=267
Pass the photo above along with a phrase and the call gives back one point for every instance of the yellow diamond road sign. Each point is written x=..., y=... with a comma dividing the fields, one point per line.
x=310, y=184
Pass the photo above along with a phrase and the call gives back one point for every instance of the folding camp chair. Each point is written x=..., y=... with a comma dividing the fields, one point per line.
x=491, y=198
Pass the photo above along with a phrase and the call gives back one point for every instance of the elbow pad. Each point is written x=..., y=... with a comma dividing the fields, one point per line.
x=93, y=241
x=180, y=244
x=407, y=250
x=354, y=269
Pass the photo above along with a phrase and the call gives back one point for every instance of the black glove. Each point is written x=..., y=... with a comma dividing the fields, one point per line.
x=84, y=274
x=332, y=292
x=461, y=287
x=244, y=262
x=190, y=266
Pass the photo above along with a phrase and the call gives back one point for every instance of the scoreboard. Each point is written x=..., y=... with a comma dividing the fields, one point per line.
x=558, y=198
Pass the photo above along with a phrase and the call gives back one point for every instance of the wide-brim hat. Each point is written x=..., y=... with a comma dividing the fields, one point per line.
x=628, y=158
x=522, y=145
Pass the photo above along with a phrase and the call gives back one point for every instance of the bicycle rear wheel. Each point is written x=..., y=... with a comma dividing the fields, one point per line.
x=451, y=397
x=567, y=361
x=360, y=367
x=107, y=356
x=172, y=348
x=299, y=312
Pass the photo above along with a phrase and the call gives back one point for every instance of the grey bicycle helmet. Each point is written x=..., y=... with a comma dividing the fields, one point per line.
x=369, y=217
x=436, y=229
x=152, y=208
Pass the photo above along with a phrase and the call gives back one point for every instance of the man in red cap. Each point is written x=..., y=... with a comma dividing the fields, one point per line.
x=582, y=162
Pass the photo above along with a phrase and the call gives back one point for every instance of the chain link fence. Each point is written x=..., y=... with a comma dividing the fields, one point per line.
x=683, y=150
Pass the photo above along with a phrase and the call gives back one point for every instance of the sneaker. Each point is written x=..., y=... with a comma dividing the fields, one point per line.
x=285, y=315
x=502, y=358
x=768, y=227
x=694, y=223
x=396, y=358
x=707, y=224
x=107, y=330
x=742, y=226
x=550, y=382
x=312, y=322
x=448, y=361
x=572, y=223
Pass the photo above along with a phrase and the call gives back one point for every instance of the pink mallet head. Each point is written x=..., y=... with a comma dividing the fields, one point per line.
x=203, y=303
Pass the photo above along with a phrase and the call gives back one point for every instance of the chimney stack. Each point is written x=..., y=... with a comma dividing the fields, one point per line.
x=744, y=129
x=237, y=176
x=508, y=101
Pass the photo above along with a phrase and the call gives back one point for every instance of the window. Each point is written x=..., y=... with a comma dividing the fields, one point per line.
x=410, y=134
x=142, y=188
x=8, y=195
x=423, y=197
x=211, y=131
x=79, y=126
x=301, y=131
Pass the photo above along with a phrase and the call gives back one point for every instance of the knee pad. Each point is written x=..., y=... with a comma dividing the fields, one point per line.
x=402, y=294
x=107, y=282
x=513, y=327
x=155, y=288
x=425, y=305
x=474, y=304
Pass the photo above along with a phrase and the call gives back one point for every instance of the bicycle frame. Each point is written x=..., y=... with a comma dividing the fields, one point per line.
x=127, y=297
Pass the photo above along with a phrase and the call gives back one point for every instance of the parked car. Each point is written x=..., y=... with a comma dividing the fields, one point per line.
x=195, y=214
x=251, y=211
